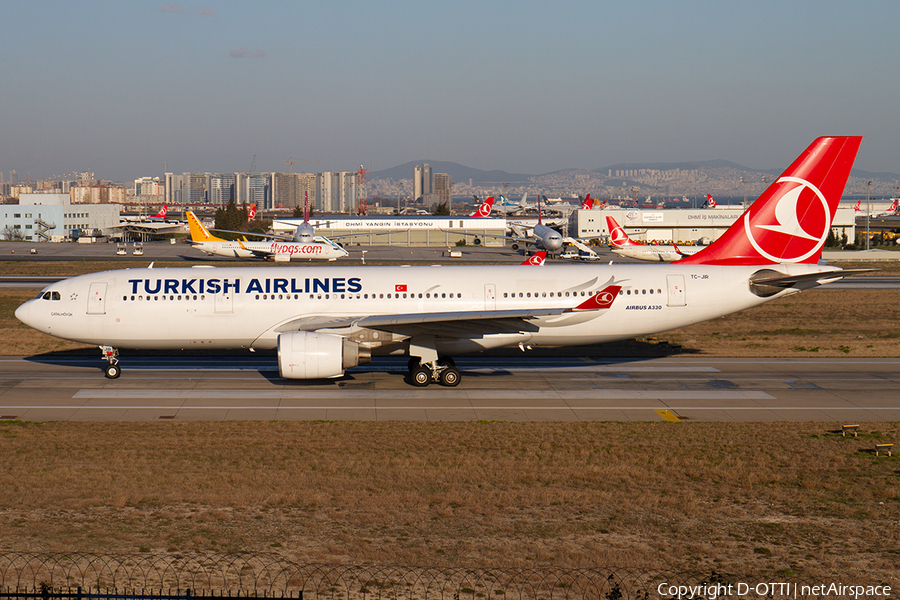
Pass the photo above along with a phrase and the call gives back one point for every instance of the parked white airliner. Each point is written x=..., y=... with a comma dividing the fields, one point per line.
x=302, y=246
x=623, y=245
x=324, y=320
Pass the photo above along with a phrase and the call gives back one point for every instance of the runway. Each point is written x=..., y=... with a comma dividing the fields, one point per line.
x=524, y=388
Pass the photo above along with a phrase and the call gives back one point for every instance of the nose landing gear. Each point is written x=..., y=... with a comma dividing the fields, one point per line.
x=111, y=355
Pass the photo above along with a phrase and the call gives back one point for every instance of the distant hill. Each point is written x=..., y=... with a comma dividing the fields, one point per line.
x=716, y=170
x=685, y=166
x=457, y=172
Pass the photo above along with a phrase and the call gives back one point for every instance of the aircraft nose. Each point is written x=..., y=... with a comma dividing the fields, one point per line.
x=23, y=313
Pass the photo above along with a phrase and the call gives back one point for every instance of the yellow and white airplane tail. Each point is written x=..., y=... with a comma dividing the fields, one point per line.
x=199, y=233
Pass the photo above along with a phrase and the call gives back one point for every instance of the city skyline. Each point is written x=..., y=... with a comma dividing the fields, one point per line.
x=135, y=89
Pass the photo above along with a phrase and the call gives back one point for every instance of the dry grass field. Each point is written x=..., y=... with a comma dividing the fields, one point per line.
x=757, y=500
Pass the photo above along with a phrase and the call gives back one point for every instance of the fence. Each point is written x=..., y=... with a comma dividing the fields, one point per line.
x=202, y=577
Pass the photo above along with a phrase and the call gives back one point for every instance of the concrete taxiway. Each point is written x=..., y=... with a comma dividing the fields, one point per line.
x=528, y=388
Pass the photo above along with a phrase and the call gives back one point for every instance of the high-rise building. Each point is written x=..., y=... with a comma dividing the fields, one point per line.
x=442, y=185
x=422, y=181
x=222, y=188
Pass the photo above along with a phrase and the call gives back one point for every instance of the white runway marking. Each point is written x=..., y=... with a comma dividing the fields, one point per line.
x=431, y=394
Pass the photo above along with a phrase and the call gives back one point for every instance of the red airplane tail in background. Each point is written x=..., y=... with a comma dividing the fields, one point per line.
x=790, y=222
x=588, y=203
x=710, y=202
x=162, y=212
x=617, y=236
x=485, y=209
x=251, y=212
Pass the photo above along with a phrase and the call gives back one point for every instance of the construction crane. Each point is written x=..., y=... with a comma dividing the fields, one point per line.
x=291, y=162
x=362, y=207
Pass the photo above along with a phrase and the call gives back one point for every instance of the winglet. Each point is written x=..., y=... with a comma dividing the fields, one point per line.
x=790, y=222
x=536, y=259
x=601, y=300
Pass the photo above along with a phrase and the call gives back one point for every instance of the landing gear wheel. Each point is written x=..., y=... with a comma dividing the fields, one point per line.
x=413, y=363
x=420, y=376
x=446, y=361
x=112, y=371
x=450, y=377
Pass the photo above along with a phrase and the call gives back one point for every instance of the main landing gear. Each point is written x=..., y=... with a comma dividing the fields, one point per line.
x=111, y=355
x=442, y=371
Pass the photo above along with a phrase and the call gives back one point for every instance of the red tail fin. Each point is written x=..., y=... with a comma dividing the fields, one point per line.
x=790, y=222
x=485, y=209
x=588, y=203
x=251, y=212
x=710, y=202
x=617, y=236
x=162, y=212
x=536, y=259
x=857, y=206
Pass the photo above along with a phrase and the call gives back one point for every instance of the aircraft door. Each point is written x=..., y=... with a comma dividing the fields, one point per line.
x=490, y=296
x=675, y=285
x=225, y=302
x=97, y=299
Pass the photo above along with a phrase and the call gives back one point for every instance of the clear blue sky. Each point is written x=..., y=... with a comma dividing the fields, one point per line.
x=120, y=88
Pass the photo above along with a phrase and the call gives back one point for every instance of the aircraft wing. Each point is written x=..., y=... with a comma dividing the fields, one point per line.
x=521, y=240
x=274, y=236
x=471, y=323
x=484, y=321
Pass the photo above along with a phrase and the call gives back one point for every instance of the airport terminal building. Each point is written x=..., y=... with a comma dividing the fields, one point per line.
x=52, y=218
x=678, y=225
x=404, y=231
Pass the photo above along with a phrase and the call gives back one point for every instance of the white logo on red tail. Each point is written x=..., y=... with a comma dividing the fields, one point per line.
x=536, y=259
x=617, y=235
x=485, y=209
x=251, y=212
x=800, y=221
x=162, y=212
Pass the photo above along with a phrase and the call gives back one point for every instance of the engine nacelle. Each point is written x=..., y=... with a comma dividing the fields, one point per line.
x=311, y=355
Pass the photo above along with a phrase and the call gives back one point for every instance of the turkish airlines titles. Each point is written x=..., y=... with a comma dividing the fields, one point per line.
x=275, y=285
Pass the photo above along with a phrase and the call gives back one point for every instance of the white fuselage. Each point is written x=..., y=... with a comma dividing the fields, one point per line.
x=656, y=253
x=237, y=307
x=315, y=249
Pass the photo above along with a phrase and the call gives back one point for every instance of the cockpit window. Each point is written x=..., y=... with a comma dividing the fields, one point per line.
x=49, y=295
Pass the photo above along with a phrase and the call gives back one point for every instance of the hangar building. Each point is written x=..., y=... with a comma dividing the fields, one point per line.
x=678, y=225
x=404, y=231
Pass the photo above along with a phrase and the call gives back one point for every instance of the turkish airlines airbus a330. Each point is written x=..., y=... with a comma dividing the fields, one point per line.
x=324, y=320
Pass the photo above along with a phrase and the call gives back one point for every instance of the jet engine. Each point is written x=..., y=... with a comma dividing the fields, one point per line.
x=311, y=355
